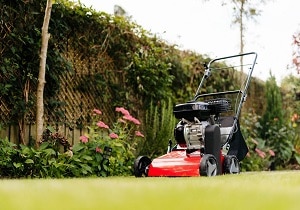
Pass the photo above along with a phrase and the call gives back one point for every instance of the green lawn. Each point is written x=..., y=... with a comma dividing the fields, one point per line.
x=253, y=191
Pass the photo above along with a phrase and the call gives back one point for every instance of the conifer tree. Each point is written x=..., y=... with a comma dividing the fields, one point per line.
x=274, y=113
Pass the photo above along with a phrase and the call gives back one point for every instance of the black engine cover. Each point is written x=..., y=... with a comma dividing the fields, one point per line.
x=190, y=110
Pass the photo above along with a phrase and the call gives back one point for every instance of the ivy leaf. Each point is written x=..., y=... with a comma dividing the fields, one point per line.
x=51, y=129
x=86, y=157
x=29, y=161
x=17, y=165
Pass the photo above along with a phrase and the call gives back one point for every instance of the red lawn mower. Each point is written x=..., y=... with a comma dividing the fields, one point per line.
x=208, y=137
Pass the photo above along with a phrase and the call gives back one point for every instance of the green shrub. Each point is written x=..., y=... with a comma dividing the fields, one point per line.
x=102, y=151
x=160, y=123
x=260, y=155
x=275, y=129
x=26, y=161
x=276, y=150
x=281, y=138
x=8, y=155
x=41, y=163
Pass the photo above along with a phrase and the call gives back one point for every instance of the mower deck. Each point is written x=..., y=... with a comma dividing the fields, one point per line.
x=176, y=163
x=180, y=164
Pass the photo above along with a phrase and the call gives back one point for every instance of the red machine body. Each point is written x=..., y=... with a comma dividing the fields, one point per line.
x=177, y=164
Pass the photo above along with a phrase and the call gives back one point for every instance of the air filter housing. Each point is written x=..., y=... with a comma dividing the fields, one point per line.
x=190, y=110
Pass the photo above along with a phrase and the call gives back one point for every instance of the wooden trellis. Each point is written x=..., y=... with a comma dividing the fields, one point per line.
x=74, y=113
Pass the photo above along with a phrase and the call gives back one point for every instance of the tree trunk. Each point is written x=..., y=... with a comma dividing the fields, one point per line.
x=42, y=72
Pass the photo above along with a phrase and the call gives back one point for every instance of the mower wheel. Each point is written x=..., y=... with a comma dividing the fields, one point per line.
x=231, y=165
x=141, y=166
x=208, y=165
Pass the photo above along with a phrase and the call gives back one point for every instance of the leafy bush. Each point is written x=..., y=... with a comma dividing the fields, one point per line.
x=8, y=155
x=103, y=151
x=26, y=161
x=42, y=162
x=277, y=151
x=275, y=129
x=260, y=155
x=282, y=139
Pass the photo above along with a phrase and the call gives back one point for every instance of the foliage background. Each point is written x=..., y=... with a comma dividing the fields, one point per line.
x=95, y=60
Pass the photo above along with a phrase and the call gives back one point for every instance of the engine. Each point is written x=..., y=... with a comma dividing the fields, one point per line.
x=191, y=133
x=194, y=118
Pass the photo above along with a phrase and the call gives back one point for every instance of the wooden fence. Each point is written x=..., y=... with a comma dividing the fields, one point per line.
x=12, y=132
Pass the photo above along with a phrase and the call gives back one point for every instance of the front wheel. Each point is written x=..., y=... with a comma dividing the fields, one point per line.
x=141, y=166
x=208, y=165
x=231, y=165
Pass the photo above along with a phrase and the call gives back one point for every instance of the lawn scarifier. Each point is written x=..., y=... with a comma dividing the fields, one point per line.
x=208, y=137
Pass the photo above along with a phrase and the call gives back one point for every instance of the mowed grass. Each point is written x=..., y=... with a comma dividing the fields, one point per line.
x=253, y=191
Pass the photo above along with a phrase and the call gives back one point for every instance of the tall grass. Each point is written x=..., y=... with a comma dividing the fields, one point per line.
x=160, y=123
x=253, y=191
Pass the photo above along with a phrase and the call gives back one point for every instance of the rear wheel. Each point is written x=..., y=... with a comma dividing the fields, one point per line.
x=231, y=165
x=208, y=165
x=141, y=166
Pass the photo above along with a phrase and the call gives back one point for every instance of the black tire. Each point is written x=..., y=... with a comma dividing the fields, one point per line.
x=208, y=165
x=231, y=165
x=141, y=166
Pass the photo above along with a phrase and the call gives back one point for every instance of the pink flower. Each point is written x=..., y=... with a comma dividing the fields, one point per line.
x=84, y=139
x=122, y=110
x=128, y=117
x=294, y=117
x=136, y=121
x=260, y=153
x=271, y=152
x=98, y=150
x=131, y=119
x=97, y=111
x=113, y=136
x=138, y=133
x=101, y=124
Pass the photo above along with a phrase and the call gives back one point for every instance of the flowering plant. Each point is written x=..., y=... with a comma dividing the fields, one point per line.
x=260, y=157
x=122, y=138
